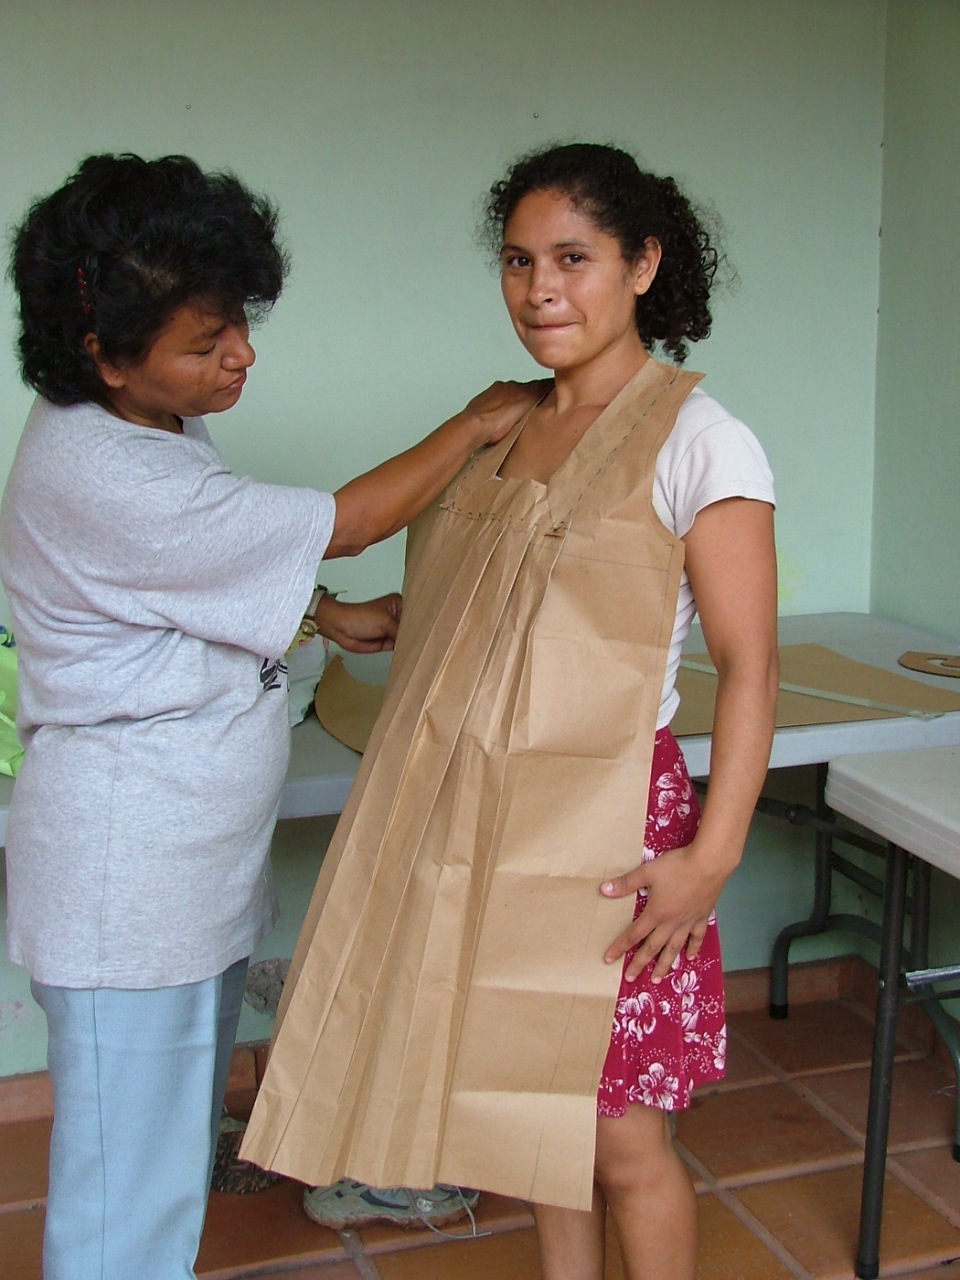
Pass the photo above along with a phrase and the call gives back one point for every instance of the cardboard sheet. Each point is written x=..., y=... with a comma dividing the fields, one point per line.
x=814, y=667
x=931, y=664
x=347, y=707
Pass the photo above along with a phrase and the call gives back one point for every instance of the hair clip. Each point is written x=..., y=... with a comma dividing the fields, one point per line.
x=85, y=306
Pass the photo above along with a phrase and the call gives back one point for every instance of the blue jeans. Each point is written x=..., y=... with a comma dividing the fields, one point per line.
x=138, y=1080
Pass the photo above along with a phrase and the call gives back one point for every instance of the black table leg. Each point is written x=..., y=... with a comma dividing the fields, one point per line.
x=881, y=1070
x=816, y=922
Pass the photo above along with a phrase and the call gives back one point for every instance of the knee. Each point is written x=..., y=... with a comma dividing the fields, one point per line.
x=633, y=1151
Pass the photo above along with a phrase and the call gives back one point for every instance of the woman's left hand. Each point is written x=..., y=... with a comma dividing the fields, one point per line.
x=369, y=626
x=681, y=895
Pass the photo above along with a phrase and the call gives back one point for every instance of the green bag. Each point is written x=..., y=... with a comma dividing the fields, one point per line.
x=11, y=752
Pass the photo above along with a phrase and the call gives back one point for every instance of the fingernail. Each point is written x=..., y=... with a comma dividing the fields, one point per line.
x=606, y=888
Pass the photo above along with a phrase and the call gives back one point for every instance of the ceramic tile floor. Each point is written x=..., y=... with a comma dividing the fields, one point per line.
x=774, y=1151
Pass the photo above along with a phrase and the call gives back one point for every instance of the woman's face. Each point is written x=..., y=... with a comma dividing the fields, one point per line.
x=568, y=289
x=197, y=364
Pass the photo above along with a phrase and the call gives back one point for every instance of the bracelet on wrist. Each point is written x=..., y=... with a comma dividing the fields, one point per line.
x=308, y=626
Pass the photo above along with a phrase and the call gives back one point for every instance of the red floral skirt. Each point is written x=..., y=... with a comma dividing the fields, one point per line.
x=668, y=1038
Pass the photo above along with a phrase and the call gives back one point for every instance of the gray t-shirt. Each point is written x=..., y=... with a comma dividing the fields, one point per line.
x=153, y=595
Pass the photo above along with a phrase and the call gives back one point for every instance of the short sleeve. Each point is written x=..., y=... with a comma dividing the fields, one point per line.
x=105, y=520
x=239, y=561
x=709, y=456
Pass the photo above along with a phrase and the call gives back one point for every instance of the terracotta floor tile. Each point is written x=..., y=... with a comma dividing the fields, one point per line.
x=510, y=1255
x=767, y=1131
x=260, y=1052
x=23, y=1163
x=815, y=1037
x=243, y=1069
x=700, y=1184
x=494, y=1213
x=729, y=1249
x=815, y=1217
x=26, y=1097
x=923, y=1104
x=325, y=1271
x=21, y=1244
x=743, y=1068
x=939, y=1174
x=239, y=1102
x=951, y=1271
x=260, y=1230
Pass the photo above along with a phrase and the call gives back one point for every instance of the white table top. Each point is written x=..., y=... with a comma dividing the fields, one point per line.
x=909, y=797
x=865, y=639
x=322, y=769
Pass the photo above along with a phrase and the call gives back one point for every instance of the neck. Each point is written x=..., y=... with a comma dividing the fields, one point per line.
x=159, y=422
x=600, y=381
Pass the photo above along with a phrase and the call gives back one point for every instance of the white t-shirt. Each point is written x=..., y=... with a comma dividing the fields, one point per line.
x=709, y=455
x=153, y=596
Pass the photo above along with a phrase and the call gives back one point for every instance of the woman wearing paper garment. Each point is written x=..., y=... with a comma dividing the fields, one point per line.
x=448, y=1016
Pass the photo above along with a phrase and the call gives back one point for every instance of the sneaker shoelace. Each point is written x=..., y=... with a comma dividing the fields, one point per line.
x=472, y=1234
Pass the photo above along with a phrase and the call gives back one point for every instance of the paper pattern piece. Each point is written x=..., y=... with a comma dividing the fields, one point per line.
x=813, y=666
x=931, y=664
x=347, y=707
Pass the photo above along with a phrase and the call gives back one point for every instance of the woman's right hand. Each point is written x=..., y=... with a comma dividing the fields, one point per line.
x=383, y=501
x=366, y=626
x=503, y=404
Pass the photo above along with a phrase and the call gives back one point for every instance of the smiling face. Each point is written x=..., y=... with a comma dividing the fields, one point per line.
x=568, y=289
x=197, y=364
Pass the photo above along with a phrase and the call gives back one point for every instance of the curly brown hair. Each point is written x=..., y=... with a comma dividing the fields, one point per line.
x=633, y=206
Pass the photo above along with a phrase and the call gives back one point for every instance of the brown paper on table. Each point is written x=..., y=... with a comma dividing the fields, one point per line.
x=818, y=668
x=931, y=664
x=347, y=707
x=448, y=1010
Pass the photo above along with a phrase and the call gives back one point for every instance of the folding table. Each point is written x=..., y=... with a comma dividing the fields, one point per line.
x=912, y=800
x=322, y=770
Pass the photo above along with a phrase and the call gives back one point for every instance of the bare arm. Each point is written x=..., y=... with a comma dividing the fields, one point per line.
x=732, y=567
x=369, y=626
x=380, y=503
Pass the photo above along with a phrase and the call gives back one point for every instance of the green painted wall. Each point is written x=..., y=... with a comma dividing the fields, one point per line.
x=916, y=550
x=916, y=514
x=377, y=126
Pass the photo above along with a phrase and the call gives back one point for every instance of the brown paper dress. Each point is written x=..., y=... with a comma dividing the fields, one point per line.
x=448, y=1009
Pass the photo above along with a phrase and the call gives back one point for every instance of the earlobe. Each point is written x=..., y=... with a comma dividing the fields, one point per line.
x=110, y=375
x=647, y=266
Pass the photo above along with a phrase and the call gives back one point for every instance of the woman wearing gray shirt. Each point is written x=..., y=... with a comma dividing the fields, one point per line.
x=153, y=595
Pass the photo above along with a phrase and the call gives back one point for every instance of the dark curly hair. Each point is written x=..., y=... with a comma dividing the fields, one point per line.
x=118, y=248
x=633, y=206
